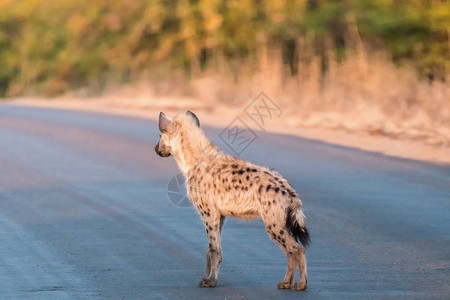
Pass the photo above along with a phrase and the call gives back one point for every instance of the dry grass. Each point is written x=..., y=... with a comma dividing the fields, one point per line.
x=361, y=93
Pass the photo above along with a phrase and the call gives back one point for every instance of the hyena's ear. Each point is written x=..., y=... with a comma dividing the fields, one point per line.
x=165, y=124
x=193, y=116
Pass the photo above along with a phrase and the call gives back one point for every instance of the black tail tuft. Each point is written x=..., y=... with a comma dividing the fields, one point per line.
x=300, y=233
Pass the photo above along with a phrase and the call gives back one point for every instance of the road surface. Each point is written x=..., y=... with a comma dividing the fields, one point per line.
x=85, y=214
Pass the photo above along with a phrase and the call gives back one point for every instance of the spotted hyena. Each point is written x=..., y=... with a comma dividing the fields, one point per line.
x=221, y=186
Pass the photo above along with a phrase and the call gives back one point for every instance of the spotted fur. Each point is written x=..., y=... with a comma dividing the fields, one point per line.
x=220, y=185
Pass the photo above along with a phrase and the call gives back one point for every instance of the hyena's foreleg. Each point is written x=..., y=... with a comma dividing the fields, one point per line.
x=213, y=225
x=208, y=260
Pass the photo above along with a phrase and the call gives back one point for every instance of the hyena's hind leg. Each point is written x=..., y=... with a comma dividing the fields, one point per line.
x=213, y=226
x=295, y=256
x=290, y=247
x=288, y=234
x=303, y=281
x=299, y=233
x=288, y=280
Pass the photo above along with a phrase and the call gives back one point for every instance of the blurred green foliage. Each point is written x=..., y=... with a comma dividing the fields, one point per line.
x=51, y=46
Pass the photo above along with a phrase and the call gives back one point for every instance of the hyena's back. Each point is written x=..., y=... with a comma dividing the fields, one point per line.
x=244, y=190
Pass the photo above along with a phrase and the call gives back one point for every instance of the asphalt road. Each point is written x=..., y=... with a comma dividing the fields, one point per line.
x=84, y=214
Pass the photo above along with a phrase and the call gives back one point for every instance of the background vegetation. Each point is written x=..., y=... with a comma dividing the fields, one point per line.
x=379, y=67
x=51, y=46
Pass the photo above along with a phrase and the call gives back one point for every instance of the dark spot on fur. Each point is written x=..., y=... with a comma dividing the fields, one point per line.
x=251, y=184
x=248, y=169
x=277, y=189
x=234, y=172
x=233, y=180
x=253, y=170
x=269, y=226
x=240, y=181
x=260, y=188
x=281, y=232
x=241, y=172
x=248, y=177
x=210, y=228
x=283, y=193
x=268, y=187
x=235, y=166
x=236, y=187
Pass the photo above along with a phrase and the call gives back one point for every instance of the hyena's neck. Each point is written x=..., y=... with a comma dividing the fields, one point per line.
x=195, y=150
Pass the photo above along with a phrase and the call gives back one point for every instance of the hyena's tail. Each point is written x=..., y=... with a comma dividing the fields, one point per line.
x=296, y=225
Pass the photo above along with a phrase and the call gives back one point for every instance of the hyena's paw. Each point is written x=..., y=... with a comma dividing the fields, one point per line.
x=284, y=285
x=207, y=283
x=300, y=286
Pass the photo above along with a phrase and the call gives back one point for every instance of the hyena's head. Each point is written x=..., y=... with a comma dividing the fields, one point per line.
x=172, y=131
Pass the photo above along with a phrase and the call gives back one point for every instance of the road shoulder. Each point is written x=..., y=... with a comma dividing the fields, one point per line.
x=222, y=117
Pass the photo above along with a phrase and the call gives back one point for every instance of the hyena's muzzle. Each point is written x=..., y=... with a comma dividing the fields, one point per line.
x=162, y=150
